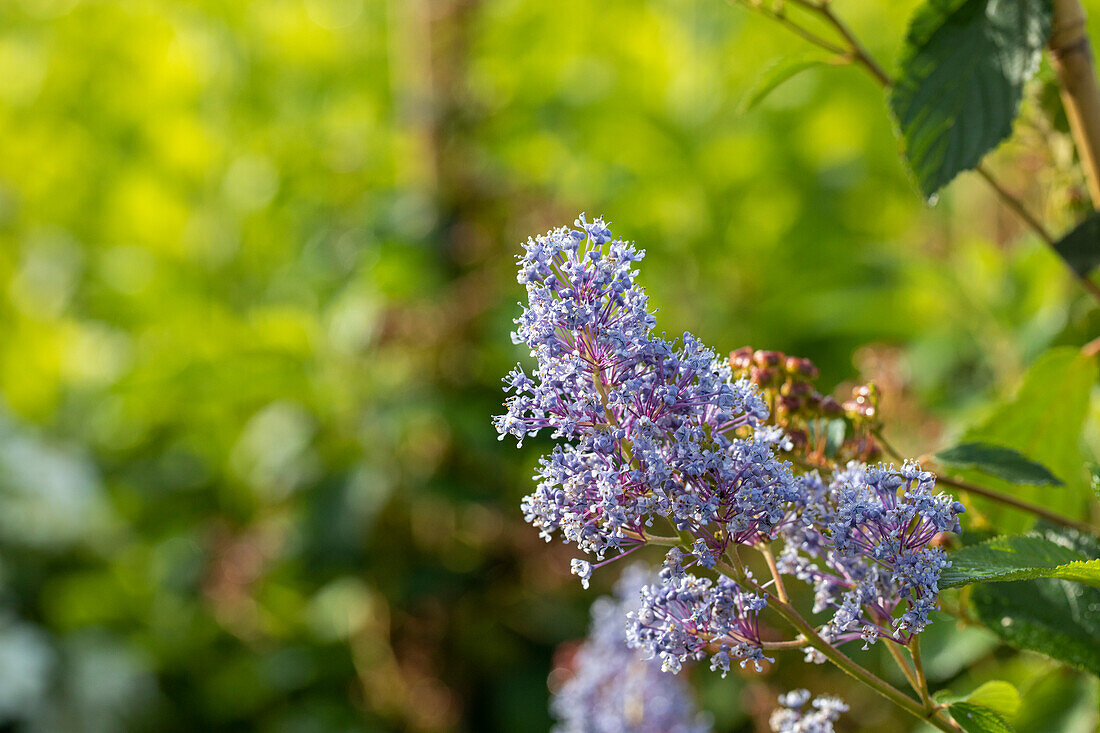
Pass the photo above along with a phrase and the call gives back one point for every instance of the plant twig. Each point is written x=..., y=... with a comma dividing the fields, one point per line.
x=922, y=681
x=652, y=539
x=1020, y=504
x=1080, y=95
x=1071, y=58
x=770, y=559
x=857, y=671
x=855, y=50
x=793, y=27
x=1041, y=231
x=997, y=496
x=899, y=659
x=834, y=655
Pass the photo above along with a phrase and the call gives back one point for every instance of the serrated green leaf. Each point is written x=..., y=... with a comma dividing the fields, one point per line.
x=772, y=77
x=1043, y=422
x=999, y=696
x=1058, y=618
x=1080, y=248
x=1019, y=557
x=999, y=461
x=962, y=73
x=978, y=719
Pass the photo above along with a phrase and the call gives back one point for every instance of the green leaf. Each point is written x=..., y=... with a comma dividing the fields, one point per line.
x=978, y=719
x=1043, y=422
x=999, y=461
x=1081, y=246
x=1054, y=617
x=997, y=695
x=772, y=77
x=962, y=73
x=834, y=436
x=1019, y=557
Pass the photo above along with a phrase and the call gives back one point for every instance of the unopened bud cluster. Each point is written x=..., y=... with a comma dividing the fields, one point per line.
x=661, y=441
x=787, y=386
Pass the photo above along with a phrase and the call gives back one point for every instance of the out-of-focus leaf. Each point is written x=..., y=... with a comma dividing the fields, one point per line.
x=978, y=719
x=834, y=436
x=999, y=461
x=1094, y=478
x=1043, y=422
x=1061, y=699
x=772, y=77
x=1081, y=246
x=962, y=73
x=1019, y=557
x=997, y=695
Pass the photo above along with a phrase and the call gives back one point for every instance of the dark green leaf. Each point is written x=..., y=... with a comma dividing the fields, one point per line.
x=1080, y=248
x=775, y=74
x=1019, y=557
x=999, y=461
x=1058, y=618
x=962, y=73
x=978, y=719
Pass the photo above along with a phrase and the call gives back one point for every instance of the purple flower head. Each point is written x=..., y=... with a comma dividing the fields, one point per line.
x=648, y=428
x=863, y=543
x=794, y=716
x=614, y=690
x=683, y=618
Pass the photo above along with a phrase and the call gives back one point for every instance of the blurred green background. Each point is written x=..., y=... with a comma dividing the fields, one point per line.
x=256, y=284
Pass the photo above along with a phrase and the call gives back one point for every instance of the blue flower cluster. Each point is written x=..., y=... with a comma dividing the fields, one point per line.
x=683, y=618
x=862, y=540
x=614, y=690
x=649, y=428
x=793, y=715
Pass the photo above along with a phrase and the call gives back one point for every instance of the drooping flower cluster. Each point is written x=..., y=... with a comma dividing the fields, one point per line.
x=612, y=689
x=862, y=540
x=683, y=618
x=794, y=716
x=650, y=429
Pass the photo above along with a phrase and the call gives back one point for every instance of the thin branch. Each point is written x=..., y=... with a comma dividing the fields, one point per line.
x=859, y=55
x=1020, y=504
x=997, y=496
x=1071, y=58
x=918, y=665
x=799, y=643
x=1016, y=205
x=855, y=50
x=652, y=539
x=834, y=655
x=793, y=27
x=899, y=659
x=770, y=559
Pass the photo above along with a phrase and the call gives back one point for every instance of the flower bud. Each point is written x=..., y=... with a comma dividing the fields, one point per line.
x=741, y=359
x=796, y=389
x=768, y=358
x=803, y=368
x=763, y=377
